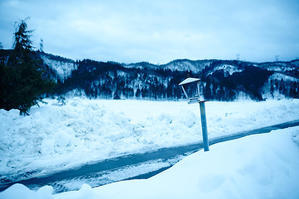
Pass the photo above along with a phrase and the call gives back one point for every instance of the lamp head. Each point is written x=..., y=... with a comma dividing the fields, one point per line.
x=187, y=83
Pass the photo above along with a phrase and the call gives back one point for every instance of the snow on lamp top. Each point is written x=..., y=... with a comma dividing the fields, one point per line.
x=189, y=80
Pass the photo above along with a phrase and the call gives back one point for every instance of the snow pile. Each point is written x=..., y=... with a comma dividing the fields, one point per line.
x=259, y=166
x=19, y=191
x=58, y=136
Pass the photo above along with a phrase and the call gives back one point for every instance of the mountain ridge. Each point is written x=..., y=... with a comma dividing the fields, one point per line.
x=221, y=79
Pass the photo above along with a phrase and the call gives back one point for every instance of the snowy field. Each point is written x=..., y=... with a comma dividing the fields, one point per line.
x=56, y=137
x=257, y=166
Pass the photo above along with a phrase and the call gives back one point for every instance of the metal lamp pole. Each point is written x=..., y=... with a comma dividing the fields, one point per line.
x=201, y=107
x=204, y=125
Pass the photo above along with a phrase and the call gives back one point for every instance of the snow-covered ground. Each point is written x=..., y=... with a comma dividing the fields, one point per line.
x=257, y=166
x=56, y=137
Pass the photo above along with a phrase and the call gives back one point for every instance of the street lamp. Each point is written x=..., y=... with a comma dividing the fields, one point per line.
x=194, y=97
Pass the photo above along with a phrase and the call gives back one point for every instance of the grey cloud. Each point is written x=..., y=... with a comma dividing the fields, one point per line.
x=159, y=31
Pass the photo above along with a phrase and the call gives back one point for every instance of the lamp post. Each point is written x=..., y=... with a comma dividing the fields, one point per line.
x=194, y=99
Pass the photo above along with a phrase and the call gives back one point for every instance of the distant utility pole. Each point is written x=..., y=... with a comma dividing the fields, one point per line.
x=41, y=45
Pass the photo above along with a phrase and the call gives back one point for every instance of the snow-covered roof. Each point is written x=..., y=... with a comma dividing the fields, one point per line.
x=189, y=80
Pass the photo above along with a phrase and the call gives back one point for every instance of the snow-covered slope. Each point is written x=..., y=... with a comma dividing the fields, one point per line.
x=56, y=137
x=221, y=79
x=141, y=65
x=276, y=82
x=187, y=65
x=175, y=65
x=63, y=67
x=280, y=66
x=227, y=68
x=286, y=78
x=259, y=166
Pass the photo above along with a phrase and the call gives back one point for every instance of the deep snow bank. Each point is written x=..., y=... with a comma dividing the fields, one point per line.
x=55, y=137
x=258, y=166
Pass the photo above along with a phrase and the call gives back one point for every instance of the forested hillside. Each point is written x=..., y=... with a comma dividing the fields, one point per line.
x=224, y=80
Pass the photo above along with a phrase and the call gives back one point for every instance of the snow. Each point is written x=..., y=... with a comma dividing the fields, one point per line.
x=279, y=76
x=186, y=65
x=56, y=137
x=279, y=66
x=62, y=68
x=19, y=191
x=125, y=172
x=266, y=94
x=189, y=80
x=228, y=69
x=257, y=166
x=175, y=65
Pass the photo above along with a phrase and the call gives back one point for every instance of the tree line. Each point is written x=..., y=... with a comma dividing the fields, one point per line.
x=25, y=79
x=114, y=81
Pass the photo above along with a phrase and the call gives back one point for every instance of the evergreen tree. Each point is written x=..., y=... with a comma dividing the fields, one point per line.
x=272, y=88
x=22, y=81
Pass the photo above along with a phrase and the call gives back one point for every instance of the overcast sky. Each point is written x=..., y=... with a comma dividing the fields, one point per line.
x=158, y=31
